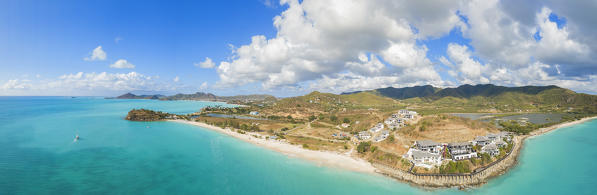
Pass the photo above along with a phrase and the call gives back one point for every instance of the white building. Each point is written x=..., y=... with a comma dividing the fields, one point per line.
x=491, y=149
x=461, y=150
x=424, y=159
x=377, y=128
x=364, y=135
x=382, y=136
x=481, y=141
x=428, y=146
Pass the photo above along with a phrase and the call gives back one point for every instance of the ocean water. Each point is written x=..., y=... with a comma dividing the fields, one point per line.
x=115, y=156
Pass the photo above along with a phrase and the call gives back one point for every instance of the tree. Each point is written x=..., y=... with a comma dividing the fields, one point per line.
x=363, y=147
x=312, y=117
x=333, y=118
x=321, y=117
x=346, y=120
x=391, y=138
x=289, y=117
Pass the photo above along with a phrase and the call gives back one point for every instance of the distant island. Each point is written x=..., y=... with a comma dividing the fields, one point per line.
x=428, y=136
x=200, y=96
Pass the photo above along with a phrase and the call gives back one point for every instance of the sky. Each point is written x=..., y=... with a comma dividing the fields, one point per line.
x=288, y=47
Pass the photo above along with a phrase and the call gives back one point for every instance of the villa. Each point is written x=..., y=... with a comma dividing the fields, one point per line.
x=345, y=125
x=505, y=135
x=364, y=135
x=428, y=146
x=492, y=149
x=382, y=136
x=481, y=141
x=461, y=150
x=424, y=159
x=377, y=128
x=254, y=113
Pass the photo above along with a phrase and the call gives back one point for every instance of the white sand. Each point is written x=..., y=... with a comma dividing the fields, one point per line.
x=558, y=126
x=326, y=158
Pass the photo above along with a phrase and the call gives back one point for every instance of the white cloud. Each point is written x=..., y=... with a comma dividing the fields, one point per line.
x=118, y=39
x=97, y=54
x=319, y=39
x=176, y=79
x=16, y=84
x=203, y=86
x=207, y=63
x=122, y=63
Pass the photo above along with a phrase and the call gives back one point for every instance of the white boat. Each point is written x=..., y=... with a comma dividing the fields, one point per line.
x=76, y=138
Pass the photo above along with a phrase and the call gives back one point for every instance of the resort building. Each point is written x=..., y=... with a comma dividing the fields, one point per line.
x=377, y=128
x=491, y=149
x=481, y=141
x=500, y=143
x=254, y=113
x=345, y=125
x=424, y=159
x=505, y=135
x=364, y=135
x=461, y=150
x=428, y=146
x=382, y=136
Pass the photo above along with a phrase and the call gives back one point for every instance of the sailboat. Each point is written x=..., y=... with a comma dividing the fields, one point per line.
x=76, y=138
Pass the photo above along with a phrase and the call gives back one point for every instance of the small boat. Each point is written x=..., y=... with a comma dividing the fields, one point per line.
x=76, y=138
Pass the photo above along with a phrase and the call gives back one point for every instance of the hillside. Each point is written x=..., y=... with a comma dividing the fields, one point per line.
x=492, y=98
x=133, y=96
x=200, y=96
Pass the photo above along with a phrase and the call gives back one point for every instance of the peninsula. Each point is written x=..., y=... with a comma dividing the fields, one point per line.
x=427, y=136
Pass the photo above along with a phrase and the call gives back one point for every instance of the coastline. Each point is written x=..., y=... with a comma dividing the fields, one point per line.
x=348, y=162
x=326, y=158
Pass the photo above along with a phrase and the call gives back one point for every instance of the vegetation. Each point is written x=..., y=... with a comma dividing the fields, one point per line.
x=145, y=115
x=455, y=167
x=364, y=147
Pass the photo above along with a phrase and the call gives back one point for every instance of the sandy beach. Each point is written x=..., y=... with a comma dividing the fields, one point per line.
x=322, y=158
x=557, y=126
x=346, y=161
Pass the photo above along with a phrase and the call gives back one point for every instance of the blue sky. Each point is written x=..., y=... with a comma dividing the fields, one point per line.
x=44, y=45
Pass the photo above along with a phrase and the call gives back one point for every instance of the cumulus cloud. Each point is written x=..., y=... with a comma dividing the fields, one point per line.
x=207, y=63
x=16, y=84
x=122, y=63
x=203, y=86
x=98, y=54
x=320, y=39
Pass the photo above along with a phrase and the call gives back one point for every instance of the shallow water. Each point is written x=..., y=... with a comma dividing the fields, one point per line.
x=115, y=156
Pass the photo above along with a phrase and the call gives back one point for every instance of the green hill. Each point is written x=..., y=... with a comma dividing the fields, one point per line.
x=492, y=98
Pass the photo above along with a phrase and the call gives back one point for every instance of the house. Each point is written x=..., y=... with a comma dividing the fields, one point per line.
x=254, y=113
x=390, y=121
x=377, y=128
x=401, y=112
x=491, y=149
x=345, y=125
x=428, y=146
x=273, y=137
x=461, y=150
x=424, y=159
x=394, y=126
x=492, y=136
x=364, y=135
x=460, y=147
x=505, y=135
x=500, y=143
x=464, y=156
x=481, y=140
x=409, y=116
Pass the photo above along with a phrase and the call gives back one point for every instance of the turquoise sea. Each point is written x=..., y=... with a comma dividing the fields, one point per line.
x=114, y=156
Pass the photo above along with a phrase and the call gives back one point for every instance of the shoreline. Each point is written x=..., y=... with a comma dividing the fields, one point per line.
x=346, y=161
x=326, y=158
